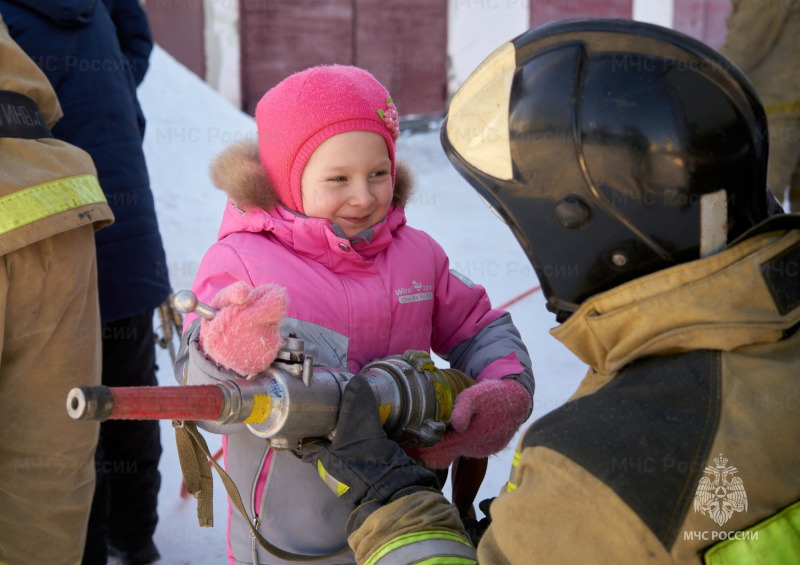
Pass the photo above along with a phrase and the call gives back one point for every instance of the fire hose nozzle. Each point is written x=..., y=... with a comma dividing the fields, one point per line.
x=90, y=403
x=293, y=399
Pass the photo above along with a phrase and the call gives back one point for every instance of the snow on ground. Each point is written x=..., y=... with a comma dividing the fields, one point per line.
x=188, y=124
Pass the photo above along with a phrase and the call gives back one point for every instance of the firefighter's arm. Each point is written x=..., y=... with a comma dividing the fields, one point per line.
x=397, y=508
x=420, y=524
x=753, y=30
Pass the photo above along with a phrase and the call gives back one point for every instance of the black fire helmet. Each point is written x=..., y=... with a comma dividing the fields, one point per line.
x=612, y=149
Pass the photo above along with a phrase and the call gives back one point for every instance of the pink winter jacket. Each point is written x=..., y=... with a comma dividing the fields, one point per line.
x=380, y=293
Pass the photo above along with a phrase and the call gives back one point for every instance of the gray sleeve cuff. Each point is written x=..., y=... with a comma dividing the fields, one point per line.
x=497, y=340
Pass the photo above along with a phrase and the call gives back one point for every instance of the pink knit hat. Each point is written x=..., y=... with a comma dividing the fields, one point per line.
x=308, y=107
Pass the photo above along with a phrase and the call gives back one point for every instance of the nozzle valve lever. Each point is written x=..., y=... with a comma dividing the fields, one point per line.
x=185, y=301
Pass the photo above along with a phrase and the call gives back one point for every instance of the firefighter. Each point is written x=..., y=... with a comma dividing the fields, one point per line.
x=763, y=40
x=630, y=161
x=51, y=205
x=95, y=54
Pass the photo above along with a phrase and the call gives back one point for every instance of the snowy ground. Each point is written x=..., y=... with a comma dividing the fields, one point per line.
x=188, y=124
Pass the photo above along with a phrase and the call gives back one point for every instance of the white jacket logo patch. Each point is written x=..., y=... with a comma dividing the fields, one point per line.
x=416, y=293
x=720, y=497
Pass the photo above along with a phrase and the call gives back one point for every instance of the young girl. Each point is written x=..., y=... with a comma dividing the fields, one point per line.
x=316, y=206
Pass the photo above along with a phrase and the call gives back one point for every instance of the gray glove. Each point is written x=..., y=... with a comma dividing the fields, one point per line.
x=362, y=465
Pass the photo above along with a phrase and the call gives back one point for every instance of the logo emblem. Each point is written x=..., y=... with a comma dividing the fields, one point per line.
x=720, y=497
x=415, y=293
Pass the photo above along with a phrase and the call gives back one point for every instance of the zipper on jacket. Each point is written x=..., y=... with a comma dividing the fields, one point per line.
x=256, y=523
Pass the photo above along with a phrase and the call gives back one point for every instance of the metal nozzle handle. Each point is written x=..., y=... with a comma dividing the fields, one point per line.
x=185, y=301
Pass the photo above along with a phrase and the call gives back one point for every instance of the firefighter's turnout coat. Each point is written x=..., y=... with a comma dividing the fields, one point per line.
x=680, y=444
x=50, y=206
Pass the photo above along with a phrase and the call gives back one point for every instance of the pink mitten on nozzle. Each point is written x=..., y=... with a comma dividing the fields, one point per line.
x=484, y=420
x=243, y=336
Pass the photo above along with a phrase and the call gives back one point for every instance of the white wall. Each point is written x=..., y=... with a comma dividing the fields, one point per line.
x=658, y=12
x=223, y=71
x=475, y=28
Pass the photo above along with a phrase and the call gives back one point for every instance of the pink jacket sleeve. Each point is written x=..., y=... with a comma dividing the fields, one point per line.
x=475, y=338
x=220, y=267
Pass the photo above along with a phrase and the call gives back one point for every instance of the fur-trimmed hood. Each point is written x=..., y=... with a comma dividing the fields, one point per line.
x=237, y=171
x=253, y=207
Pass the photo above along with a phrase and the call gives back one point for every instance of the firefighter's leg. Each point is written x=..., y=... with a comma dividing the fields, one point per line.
x=50, y=343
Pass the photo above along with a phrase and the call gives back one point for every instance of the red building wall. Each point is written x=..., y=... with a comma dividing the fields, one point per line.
x=703, y=19
x=178, y=28
x=402, y=42
x=545, y=11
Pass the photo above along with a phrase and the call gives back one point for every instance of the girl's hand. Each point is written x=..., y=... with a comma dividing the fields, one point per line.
x=484, y=420
x=243, y=336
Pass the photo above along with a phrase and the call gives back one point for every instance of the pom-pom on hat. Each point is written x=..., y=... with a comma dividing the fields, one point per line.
x=308, y=107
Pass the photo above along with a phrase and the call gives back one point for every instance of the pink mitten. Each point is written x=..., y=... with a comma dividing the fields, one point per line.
x=485, y=418
x=243, y=336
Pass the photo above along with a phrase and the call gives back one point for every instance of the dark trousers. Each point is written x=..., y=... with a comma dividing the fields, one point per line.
x=124, y=508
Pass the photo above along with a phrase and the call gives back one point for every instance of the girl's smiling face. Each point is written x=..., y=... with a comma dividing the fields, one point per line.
x=348, y=180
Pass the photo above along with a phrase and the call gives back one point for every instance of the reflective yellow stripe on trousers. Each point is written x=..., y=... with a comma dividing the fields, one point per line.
x=36, y=202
